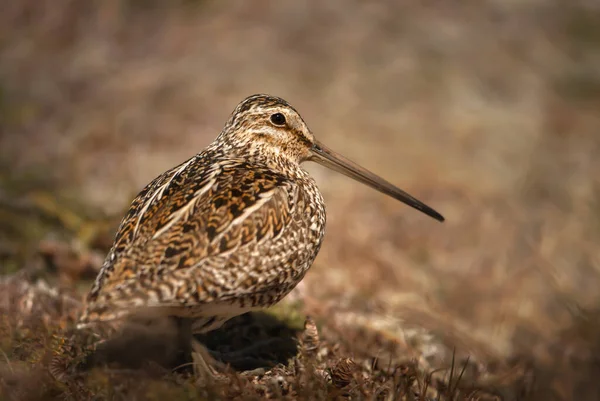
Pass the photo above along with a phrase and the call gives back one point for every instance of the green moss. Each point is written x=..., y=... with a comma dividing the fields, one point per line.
x=289, y=313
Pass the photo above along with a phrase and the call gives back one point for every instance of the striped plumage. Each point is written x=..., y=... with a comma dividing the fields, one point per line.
x=232, y=229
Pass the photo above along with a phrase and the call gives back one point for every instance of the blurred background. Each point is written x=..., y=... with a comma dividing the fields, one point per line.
x=489, y=111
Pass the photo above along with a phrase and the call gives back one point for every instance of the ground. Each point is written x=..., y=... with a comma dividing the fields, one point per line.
x=486, y=110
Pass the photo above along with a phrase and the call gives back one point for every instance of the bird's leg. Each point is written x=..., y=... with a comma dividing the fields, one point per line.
x=205, y=366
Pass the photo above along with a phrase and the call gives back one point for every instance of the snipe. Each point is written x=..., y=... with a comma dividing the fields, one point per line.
x=233, y=229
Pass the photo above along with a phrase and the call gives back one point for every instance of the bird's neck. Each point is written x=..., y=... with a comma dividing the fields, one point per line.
x=270, y=157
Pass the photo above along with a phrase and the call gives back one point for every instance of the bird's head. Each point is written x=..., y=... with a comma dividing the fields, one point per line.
x=267, y=127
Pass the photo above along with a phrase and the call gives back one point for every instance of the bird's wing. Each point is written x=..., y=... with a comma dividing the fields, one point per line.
x=190, y=222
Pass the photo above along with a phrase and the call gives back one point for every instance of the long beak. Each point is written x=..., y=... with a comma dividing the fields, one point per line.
x=334, y=161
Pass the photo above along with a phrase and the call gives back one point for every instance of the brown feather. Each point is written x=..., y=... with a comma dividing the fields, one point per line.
x=231, y=229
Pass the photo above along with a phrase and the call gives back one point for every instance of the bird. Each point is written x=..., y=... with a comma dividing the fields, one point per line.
x=233, y=229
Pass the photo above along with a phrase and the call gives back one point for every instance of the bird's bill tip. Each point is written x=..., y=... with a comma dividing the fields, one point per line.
x=328, y=158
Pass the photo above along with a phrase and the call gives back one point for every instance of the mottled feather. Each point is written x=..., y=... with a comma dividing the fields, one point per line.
x=217, y=235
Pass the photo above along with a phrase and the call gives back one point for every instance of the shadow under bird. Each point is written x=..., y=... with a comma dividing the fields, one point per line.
x=233, y=229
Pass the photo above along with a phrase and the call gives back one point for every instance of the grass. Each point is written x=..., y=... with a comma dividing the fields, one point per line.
x=44, y=358
x=486, y=111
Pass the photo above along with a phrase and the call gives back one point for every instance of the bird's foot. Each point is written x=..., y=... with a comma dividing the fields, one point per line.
x=206, y=368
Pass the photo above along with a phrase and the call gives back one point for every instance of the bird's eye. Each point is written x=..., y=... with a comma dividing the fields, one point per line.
x=278, y=119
